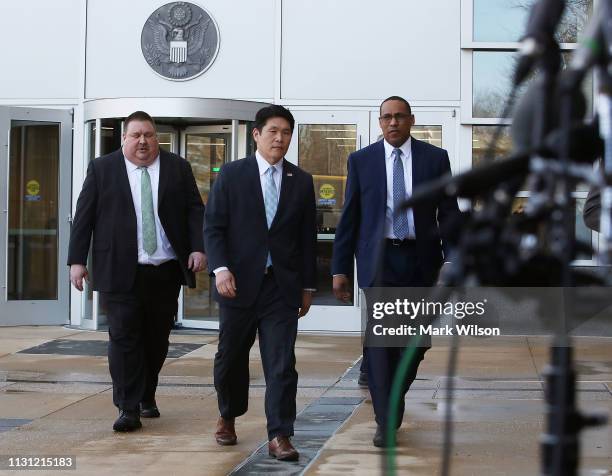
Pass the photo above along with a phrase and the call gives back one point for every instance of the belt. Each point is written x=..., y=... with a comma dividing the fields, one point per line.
x=396, y=242
x=170, y=262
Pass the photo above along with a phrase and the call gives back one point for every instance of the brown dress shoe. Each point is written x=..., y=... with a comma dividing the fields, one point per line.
x=225, y=433
x=282, y=449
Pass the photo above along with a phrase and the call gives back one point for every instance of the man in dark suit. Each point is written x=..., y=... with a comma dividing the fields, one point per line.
x=392, y=249
x=146, y=215
x=260, y=237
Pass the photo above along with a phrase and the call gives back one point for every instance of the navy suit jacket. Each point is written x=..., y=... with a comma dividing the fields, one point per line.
x=237, y=236
x=360, y=232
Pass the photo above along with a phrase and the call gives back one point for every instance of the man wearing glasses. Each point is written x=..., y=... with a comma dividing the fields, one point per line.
x=393, y=249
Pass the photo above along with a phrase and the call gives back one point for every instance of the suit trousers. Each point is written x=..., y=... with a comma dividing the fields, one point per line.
x=276, y=324
x=400, y=269
x=140, y=322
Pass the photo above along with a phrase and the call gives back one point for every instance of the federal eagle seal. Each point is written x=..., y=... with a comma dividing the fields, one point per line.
x=180, y=41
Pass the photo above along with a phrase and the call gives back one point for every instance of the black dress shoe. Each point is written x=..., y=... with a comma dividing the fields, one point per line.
x=363, y=379
x=380, y=436
x=128, y=420
x=149, y=410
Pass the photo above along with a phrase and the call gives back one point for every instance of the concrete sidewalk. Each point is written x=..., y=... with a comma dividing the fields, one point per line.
x=56, y=399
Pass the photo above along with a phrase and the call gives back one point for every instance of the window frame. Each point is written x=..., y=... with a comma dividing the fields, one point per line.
x=468, y=120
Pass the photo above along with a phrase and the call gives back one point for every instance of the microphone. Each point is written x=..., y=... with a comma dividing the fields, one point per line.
x=525, y=115
x=585, y=147
x=471, y=183
x=543, y=20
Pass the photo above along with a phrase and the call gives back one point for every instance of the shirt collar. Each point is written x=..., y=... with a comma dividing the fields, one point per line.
x=264, y=165
x=131, y=167
x=406, y=148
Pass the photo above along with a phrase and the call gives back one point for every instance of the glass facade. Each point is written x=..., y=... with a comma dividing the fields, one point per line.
x=33, y=207
x=323, y=150
x=505, y=20
x=166, y=141
x=481, y=140
x=492, y=82
x=430, y=134
x=206, y=152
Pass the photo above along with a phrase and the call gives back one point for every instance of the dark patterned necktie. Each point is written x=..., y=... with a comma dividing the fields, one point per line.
x=400, y=218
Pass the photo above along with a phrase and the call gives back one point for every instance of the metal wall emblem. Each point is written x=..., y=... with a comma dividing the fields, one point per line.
x=180, y=41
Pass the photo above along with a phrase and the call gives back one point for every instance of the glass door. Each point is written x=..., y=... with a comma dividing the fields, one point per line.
x=322, y=142
x=168, y=137
x=35, y=161
x=206, y=148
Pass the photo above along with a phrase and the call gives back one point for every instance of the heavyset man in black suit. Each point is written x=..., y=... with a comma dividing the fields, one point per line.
x=146, y=215
x=394, y=249
x=260, y=237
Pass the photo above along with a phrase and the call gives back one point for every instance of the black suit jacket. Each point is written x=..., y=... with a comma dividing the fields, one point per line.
x=237, y=235
x=360, y=232
x=105, y=209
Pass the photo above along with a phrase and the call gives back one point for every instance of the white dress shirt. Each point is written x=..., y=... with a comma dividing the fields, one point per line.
x=263, y=166
x=164, y=251
x=406, y=157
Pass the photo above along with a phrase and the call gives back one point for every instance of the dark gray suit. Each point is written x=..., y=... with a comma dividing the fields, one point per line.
x=237, y=236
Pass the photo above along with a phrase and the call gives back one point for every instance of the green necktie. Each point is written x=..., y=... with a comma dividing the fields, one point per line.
x=149, y=236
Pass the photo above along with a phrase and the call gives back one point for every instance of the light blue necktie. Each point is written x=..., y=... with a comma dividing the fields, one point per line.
x=270, y=201
x=149, y=234
x=400, y=219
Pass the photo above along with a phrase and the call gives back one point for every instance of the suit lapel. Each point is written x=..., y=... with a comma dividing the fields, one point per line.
x=285, y=191
x=124, y=182
x=417, y=163
x=379, y=176
x=254, y=183
x=163, y=176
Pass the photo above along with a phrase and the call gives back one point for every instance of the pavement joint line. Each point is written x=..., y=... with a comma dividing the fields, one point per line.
x=160, y=384
x=333, y=386
x=533, y=361
x=436, y=390
x=260, y=456
x=74, y=403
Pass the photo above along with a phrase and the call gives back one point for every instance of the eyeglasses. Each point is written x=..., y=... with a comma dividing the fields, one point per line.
x=399, y=117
